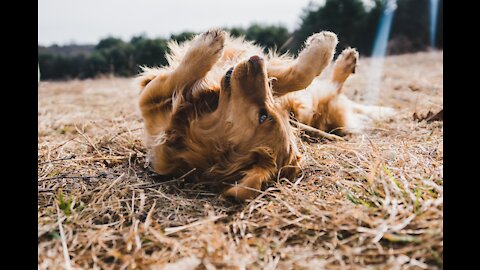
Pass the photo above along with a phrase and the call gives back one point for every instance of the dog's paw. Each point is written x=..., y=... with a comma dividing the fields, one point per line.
x=319, y=51
x=347, y=60
x=238, y=194
x=211, y=41
x=324, y=41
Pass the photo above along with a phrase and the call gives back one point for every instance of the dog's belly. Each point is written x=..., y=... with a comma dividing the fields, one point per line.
x=300, y=104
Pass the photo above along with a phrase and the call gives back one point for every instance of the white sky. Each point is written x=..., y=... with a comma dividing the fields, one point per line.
x=87, y=21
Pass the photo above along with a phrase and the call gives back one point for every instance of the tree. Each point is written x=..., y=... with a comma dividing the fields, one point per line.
x=347, y=18
x=96, y=64
x=148, y=52
x=108, y=43
x=267, y=36
x=182, y=36
x=411, y=26
x=236, y=31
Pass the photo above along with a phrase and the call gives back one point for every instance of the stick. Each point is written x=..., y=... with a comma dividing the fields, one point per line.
x=316, y=131
x=66, y=256
x=171, y=230
x=181, y=178
x=55, y=160
x=72, y=177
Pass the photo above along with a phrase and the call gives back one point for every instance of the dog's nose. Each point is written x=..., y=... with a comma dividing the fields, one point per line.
x=256, y=62
x=255, y=59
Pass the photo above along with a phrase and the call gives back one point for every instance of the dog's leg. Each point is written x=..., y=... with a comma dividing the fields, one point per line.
x=312, y=60
x=204, y=52
x=156, y=99
x=373, y=112
x=332, y=113
x=249, y=186
x=345, y=65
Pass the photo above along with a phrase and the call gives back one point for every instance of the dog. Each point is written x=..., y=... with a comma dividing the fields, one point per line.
x=225, y=108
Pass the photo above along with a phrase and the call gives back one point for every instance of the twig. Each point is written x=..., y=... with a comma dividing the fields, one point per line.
x=55, y=160
x=181, y=178
x=41, y=190
x=66, y=256
x=109, y=187
x=171, y=230
x=148, y=219
x=92, y=159
x=62, y=144
x=121, y=132
x=89, y=141
x=101, y=158
x=316, y=131
x=71, y=177
x=437, y=117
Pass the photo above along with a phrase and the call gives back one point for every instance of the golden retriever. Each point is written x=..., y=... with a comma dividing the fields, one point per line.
x=224, y=107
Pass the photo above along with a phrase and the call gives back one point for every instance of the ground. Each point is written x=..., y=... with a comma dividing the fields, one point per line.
x=374, y=201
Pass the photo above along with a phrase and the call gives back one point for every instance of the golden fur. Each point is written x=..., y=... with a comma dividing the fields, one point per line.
x=234, y=127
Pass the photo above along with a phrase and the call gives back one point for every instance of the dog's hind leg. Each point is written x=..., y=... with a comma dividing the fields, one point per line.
x=373, y=112
x=312, y=60
x=345, y=65
x=332, y=110
x=336, y=110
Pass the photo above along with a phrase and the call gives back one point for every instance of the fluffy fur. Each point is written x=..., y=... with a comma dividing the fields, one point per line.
x=224, y=107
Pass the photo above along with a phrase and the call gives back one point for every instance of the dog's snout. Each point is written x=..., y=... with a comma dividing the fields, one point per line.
x=253, y=67
x=255, y=59
x=256, y=62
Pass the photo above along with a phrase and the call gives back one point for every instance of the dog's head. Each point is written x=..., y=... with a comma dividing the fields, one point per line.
x=247, y=107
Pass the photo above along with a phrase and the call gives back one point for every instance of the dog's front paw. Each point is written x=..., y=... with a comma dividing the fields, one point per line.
x=318, y=52
x=323, y=42
x=205, y=50
x=212, y=41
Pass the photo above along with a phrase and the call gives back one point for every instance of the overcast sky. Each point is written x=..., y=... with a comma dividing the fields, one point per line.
x=87, y=21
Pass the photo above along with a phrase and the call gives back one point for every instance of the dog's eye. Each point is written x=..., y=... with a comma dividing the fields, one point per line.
x=262, y=116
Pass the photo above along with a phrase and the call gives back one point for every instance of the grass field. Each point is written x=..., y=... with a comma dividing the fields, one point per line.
x=374, y=201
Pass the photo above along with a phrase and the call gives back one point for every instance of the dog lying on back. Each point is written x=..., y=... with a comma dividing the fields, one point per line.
x=224, y=107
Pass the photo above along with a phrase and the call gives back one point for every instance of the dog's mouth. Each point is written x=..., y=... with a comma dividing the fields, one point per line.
x=228, y=76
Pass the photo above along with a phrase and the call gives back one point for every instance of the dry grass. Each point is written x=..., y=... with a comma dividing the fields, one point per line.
x=374, y=201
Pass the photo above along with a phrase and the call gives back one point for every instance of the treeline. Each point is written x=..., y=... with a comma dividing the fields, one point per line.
x=354, y=23
x=115, y=56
